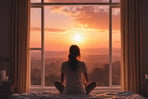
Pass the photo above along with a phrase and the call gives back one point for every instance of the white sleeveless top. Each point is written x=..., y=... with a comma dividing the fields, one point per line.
x=73, y=78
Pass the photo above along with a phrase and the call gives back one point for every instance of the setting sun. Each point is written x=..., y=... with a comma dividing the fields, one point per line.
x=77, y=38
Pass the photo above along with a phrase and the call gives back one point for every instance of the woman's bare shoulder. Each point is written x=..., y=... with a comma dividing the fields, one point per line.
x=82, y=62
x=65, y=63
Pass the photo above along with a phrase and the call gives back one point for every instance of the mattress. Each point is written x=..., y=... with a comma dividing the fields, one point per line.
x=99, y=95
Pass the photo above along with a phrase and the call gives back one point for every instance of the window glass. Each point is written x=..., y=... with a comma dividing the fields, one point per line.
x=36, y=67
x=35, y=1
x=85, y=26
x=116, y=46
x=35, y=28
x=116, y=1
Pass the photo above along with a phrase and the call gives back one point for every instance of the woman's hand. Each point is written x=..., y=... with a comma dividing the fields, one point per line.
x=85, y=83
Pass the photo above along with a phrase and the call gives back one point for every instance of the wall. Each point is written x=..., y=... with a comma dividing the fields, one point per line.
x=4, y=28
x=145, y=34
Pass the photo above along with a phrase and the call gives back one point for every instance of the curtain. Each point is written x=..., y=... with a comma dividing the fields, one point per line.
x=19, y=37
x=131, y=34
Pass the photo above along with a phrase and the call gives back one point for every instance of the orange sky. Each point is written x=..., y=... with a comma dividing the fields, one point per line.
x=86, y=26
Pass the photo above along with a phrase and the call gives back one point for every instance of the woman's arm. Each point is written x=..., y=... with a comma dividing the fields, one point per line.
x=86, y=77
x=85, y=73
x=62, y=73
x=62, y=77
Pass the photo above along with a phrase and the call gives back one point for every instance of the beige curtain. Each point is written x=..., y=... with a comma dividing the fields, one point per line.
x=131, y=29
x=19, y=36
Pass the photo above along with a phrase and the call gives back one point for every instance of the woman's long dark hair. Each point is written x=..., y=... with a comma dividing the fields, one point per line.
x=74, y=52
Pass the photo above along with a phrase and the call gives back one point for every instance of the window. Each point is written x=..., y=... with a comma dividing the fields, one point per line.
x=94, y=25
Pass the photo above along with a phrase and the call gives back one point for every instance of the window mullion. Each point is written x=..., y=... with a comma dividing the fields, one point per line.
x=110, y=46
x=42, y=38
x=47, y=4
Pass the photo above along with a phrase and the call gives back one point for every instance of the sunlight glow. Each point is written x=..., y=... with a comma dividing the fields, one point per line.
x=77, y=38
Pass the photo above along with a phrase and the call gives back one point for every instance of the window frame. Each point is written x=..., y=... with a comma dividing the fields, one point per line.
x=41, y=5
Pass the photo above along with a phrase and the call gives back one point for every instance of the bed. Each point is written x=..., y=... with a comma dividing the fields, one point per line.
x=99, y=95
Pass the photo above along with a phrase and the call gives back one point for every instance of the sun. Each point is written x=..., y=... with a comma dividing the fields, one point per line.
x=77, y=38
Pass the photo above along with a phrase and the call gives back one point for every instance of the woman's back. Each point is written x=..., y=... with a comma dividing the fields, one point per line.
x=73, y=78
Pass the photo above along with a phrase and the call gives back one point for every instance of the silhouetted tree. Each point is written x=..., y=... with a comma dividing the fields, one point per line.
x=97, y=75
x=36, y=77
x=106, y=74
x=50, y=79
x=116, y=72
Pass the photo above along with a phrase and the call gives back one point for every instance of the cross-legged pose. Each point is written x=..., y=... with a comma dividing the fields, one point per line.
x=72, y=73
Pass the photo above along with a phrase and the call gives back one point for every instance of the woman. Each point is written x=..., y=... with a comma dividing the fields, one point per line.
x=71, y=75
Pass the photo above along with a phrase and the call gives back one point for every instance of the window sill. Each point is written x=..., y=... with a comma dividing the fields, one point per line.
x=97, y=89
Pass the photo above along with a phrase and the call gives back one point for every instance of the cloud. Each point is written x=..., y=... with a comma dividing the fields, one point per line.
x=48, y=29
x=86, y=16
x=116, y=11
x=115, y=0
x=89, y=16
